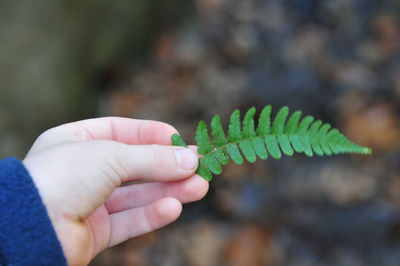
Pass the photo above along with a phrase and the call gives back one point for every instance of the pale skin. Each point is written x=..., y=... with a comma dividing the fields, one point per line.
x=79, y=167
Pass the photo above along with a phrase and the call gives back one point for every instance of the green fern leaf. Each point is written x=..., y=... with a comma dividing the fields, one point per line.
x=272, y=146
x=281, y=136
x=264, y=122
x=248, y=124
x=204, y=172
x=279, y=121
x=218, y=132
x=233, y=151
x=259, y=147
x=177, y=140
x=234, y=131
x=202, y=139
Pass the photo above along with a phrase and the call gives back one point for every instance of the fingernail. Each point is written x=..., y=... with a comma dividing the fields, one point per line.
x=186, y=158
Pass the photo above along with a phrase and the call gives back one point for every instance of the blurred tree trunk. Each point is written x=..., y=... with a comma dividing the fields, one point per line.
x=50, y=52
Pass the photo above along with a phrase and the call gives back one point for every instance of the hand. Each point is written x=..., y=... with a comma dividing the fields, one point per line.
x=78, y=169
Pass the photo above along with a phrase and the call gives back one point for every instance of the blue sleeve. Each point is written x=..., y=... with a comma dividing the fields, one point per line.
x=27, y=236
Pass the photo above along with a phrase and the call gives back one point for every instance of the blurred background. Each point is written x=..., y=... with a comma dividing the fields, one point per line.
x=180, y=61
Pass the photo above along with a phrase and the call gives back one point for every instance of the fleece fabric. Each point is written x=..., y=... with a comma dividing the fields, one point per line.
x=27, y=236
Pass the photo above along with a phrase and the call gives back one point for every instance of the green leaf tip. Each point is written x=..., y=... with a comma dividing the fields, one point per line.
x=283, y=134
x=176, y=140
x=366, y=151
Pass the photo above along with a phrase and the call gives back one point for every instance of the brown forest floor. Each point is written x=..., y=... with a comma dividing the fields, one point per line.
x=338, y=61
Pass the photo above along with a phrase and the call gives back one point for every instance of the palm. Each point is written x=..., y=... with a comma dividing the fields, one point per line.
x=98, y=227
x=94, y=235
x=96, y=213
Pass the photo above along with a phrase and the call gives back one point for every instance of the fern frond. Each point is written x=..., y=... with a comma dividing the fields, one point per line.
x=281, y=136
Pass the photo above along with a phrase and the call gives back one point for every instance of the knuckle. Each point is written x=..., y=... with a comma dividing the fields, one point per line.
x=111, y=160
x=117, y=161
x=148, y=221
x=46, y=134
x=158, y=157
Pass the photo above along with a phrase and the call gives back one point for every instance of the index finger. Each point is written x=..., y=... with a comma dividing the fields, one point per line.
x=124, y=130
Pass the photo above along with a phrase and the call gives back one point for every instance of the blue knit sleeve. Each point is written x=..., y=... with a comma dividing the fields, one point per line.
x=26, y=233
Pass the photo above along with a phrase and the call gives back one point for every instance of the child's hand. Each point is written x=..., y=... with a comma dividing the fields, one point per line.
x=78, y=169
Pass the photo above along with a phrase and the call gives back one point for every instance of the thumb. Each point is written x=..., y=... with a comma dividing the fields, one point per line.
x=148, y=162
x=78, y=177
